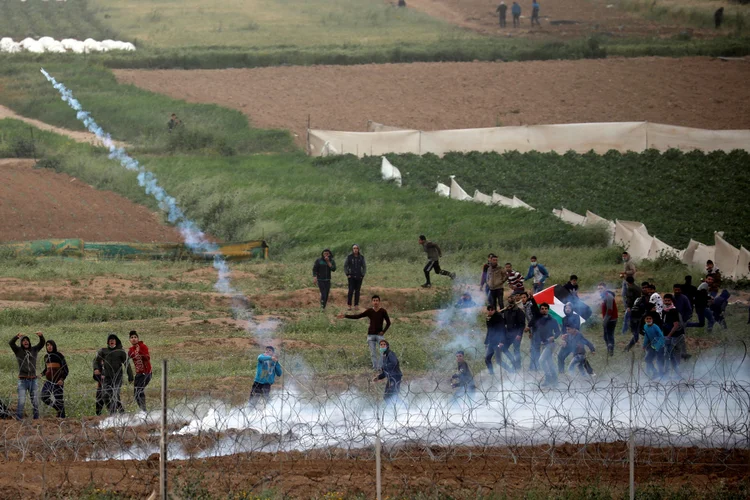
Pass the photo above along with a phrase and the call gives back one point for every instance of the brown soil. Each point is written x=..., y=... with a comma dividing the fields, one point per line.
x=40, y=204
x=694, y=92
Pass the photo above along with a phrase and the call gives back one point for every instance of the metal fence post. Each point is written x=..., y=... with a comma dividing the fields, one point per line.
x=163, y=447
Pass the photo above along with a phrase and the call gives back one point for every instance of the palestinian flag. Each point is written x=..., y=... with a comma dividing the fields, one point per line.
x=557, y=296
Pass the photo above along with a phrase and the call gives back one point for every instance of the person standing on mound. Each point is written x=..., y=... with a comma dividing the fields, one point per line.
x=265, y=374
x=433, y=256
x=355, y=268
x=26, y=356
x=321, y=271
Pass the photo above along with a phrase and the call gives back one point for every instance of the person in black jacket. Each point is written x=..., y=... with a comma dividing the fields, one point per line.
x=390, y=371
x=55, y=373
x=531, y=310
x=355, y=268
x=570, y=320
x=321, y=271
x=462, y=381
x=26, y=356
x=515, y=322
x=494, y=339
x=109, y=364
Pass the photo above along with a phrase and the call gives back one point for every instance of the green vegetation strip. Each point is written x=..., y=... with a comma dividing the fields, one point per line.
x=677, y=195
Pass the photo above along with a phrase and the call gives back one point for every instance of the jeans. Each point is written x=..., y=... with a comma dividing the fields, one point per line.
x=139, y=389
x=609, y=334
x=534, y=353
x=538, y=287
x=545, y=360
x=27, y=385
x=561, y=356
x=392, y=388
x=52, y=395
x=495, y=298
x=649, y=360
x=259, y=391
x=634, y=324
x=502, y=21
x=491, y=350
x=325, y=290
x=373, y=341
x=516, y=20
x=579, y=361
x=703, y=315
x=354, y=285
x=510, y=339
x=625, y=321
x=673, y=353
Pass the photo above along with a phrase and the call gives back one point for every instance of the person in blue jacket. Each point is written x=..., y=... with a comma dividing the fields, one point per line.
x=538, y=273
x=390, y=371
x=265, y=374
x=653, y=344
x=515, y=10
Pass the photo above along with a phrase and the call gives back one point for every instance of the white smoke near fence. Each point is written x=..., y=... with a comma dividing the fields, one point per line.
x=49, y=45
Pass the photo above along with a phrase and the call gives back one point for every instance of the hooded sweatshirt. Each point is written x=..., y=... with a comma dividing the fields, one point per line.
x=56, y=368
x=267, y=370
x=26, y=357
x=571, y=318
x=111, y=360
x=320, y=268
x=141, y=358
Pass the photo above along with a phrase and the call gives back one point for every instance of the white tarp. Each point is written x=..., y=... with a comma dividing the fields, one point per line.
x=580, y=137
x=725, y=256
x=480, y=197
x=389, y=172
x=593, y=220
x=499, y=199
x=702, y=254
x=743, y=261
x=686, y=256
x=457, y=192
x=518, y=203
x=443, y=190
x=659, y=248
x=640, y=245
x=572, y=217
x=624, y=231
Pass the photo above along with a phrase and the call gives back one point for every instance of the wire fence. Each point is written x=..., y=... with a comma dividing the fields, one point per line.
x=318, y=426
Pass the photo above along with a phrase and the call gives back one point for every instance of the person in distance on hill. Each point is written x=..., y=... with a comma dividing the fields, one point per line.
x=609, y=316
x=433, y=261
x=546, y=331
x=531, y=311
x=495, y=278
x=355, y=268
x=494, y=338
x=321, y=271
x=55, y=373
x=26, y=357
x=675, y=334
x=138, y=352
x=462, y=382
x=538, y=273
x=515, y=322
x=719, y=17
x=375, y=332
x=515, y=280
x=576, y=344
x=173, y=123
x=515, y=10
x=502, y=11
x=390, y=370
x=266, y=371
x=535, y=13
x=109, y=364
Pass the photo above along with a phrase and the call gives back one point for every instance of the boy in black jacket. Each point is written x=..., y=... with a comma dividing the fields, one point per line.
x=321, y=271
x=55, y=373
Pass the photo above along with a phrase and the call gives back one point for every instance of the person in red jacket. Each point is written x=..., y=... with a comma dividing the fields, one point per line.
x=609, y=316
x=138, y=352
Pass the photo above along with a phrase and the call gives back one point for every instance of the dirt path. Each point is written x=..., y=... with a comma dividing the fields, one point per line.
x=40, y=204
x=694, y=92
x=76, y=135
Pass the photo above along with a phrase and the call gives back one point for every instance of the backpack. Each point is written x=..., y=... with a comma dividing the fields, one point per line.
x=638, y=309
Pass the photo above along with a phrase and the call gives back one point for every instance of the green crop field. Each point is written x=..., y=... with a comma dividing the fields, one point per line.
x=668, y=192
x=59, y=20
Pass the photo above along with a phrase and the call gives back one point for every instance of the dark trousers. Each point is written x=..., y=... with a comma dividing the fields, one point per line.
x=325, y=289
x=433, y=264
x=502, y=20
x=392, y=388
x=561, y=357
x=354, y=286
x=534, y=353
x=495, y=298
x=609, y=334
x=52, y=395
x=516, y=20
x=108, y=396
x=259, y=391
x=139, y=389
x=634, y=324
x=652, y=354
x=492, y=350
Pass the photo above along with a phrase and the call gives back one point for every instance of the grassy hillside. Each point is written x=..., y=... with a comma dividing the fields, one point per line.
x=131, y=114
x=677, y=195
x=59, y=20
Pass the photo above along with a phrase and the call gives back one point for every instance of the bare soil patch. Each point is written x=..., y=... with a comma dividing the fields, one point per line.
x=39, y=204
x=693, y=92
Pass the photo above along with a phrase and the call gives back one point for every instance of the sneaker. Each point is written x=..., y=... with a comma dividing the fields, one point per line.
x=426, y=285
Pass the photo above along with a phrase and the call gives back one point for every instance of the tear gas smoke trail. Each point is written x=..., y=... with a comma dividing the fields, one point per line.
x=194, y=238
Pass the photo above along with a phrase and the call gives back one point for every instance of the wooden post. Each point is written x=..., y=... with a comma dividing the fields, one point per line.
x=163, y=447
x=631, y=441
x=378, y=483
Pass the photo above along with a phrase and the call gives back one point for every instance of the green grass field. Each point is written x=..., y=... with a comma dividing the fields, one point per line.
x=59, y=20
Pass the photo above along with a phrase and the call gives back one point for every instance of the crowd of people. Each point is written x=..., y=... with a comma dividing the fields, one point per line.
x=109, y=366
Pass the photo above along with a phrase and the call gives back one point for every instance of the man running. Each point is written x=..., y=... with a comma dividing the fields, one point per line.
x=433, y=257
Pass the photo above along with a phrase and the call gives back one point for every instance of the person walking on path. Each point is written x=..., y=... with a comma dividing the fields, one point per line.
x=390, y=370
x=321, y=271
x=535, y=13
x=109, y=364
x=502, y=11
x=515, y=10
x=496, y=276
x=538, y=273
x=433, y=261
x=26, y=357
x=609, y=316
x=55, y=373
x=375, y=332
x=355, y=268
x=138, y=352
x=266, y=371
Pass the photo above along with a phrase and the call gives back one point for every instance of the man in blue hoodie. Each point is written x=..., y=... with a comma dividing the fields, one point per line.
x=515, y=10
x=538, y=273
x=265, y=374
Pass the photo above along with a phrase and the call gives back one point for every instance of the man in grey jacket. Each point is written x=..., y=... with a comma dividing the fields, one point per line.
x=433, y=256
